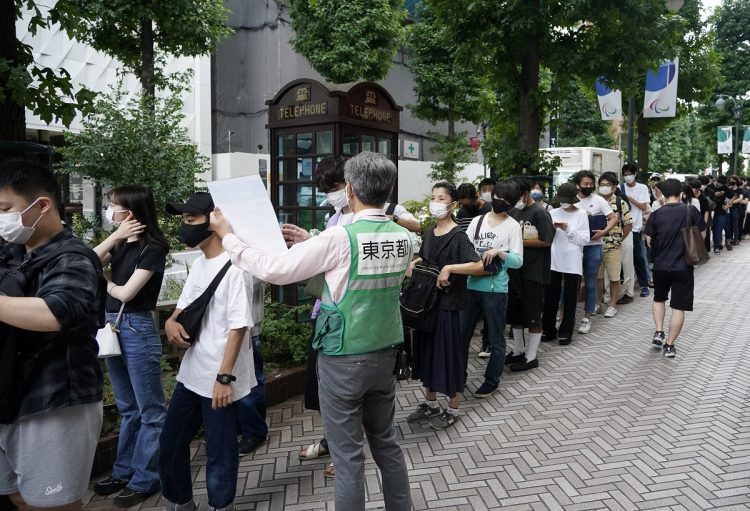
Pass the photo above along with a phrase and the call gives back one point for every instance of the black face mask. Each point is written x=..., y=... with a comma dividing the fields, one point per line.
x=193, y=235
x=587, y=191
x=500, y=206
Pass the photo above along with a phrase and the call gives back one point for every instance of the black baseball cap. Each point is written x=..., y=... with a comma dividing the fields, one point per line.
x=200, y=203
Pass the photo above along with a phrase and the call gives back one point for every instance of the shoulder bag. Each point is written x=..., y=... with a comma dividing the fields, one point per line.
x=191, y=316
x=107, y=338
x=695, y=247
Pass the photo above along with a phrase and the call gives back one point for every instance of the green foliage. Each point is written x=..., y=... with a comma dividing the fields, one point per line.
x=47, y=92
x=285, y=338
x=579, y=123
x=348, y=41
x=183, y=28
x=421, y=211
x=676, y=148
x=142, y=142
x=455, y=153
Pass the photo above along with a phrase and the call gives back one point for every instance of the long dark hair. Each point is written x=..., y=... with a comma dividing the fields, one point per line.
x=140, y=201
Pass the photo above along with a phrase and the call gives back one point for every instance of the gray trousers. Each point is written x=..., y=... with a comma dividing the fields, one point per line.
x=356, y=392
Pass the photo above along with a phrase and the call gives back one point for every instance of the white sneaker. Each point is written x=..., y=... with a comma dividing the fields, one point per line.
x=611, y=312
x=597, y=309
x=585, y=326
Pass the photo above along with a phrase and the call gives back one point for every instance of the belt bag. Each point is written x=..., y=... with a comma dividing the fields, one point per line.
x=191, y=317
x=107, y=338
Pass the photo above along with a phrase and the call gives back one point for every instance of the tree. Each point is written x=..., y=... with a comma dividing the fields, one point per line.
x=348, y=41
x=446, y=89
x=512, y=43
x=141, y=33
x=676, y=148
x=141, y=142
x=580, y=123
x=47, y=92
x=730, y=22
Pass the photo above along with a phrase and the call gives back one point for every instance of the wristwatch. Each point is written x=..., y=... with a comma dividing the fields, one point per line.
x=225, y=379
x=395, y=218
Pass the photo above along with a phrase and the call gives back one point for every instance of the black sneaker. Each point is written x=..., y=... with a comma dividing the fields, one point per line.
x=248, y=445
x=485, y=390
x=525, y=365
x=548, y=337
x=658, y=339
x=512, y=359
x=423, y=413
x=109, y=486
x=564, y=341
x=443, y=420
x=729, y=247
x=625, y=300
x=670, y=351
x=129, y=498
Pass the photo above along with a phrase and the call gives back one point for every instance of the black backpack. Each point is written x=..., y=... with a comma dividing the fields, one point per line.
x=22, y=353
x=420, y=296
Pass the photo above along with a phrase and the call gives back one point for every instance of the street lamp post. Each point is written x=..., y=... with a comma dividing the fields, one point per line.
x=738, y=103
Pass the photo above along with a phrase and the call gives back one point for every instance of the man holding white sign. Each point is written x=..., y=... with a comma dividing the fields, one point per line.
x=359, y=323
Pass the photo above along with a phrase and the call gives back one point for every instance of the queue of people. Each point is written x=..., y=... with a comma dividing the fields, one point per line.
x=500, y=253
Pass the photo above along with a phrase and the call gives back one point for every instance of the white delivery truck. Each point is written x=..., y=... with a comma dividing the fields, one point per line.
x=575, y=159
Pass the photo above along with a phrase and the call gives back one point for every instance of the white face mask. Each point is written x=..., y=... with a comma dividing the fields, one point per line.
x=12, y=229
x=438, y=210
x=109, y=214
x=486, y=196
x=630, y=179
x=520, y=204
x=337, y=199
x=605, y=190
x=564, y=205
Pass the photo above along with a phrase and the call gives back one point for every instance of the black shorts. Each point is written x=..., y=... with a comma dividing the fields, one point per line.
x=680, y=283
x=525, y=303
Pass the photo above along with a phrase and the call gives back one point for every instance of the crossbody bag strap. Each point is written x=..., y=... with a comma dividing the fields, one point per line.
x=479, y=227
x=689, y=224
x=391, y=209
x=211, y=289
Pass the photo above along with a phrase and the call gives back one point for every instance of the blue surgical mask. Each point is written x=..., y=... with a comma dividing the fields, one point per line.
x=537, y=195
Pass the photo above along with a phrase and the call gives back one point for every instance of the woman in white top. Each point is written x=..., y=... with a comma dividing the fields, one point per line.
x=571, y=234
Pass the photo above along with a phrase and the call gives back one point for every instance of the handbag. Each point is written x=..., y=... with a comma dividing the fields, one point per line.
x=191, y=317
x=695, y=246
x=496, y=264
x=107, y=339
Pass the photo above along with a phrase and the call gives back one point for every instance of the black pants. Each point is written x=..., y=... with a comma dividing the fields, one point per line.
x=558, y=281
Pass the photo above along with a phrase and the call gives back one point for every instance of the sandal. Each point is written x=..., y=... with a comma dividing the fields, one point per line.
x=329, y=472
x=313, y=451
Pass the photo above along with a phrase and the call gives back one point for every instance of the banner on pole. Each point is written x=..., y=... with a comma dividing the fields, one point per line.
x=724, y=139
x=610, y=101
x=746, y=140
x=661, y=91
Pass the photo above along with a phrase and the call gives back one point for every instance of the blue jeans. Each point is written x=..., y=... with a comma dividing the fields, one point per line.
x=736, y=233
x=251, y=409
x=187, y=411
x=592, y=259
x=640, y=260
x=493, y=305
x=720, y=225
x=136, y=383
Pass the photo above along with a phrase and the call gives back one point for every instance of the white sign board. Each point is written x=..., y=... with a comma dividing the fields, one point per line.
x=411, y=149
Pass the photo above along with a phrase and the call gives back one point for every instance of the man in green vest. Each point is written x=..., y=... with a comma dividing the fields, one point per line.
x=359, y=324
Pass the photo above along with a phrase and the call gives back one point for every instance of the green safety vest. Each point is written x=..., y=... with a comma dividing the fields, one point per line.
x=368, y=316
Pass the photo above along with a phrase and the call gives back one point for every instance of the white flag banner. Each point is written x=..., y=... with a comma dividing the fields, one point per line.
x=746, y=140
x=724, y=140
x=661, y=91
x=610, y=102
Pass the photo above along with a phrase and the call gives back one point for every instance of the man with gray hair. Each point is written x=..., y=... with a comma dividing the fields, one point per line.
x=358, y=326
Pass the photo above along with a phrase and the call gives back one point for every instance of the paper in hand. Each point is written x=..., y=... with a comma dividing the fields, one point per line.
x=245, y=203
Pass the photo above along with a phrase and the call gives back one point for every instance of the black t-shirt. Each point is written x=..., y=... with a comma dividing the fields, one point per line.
x=466, y=214
x=535, y=224
x=128, y=257
x=703, y=201
x=665, y=226
x=724, y=194
x=460, y=250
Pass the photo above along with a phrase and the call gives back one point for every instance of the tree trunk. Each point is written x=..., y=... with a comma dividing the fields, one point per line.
x=529, y=116
x=644, y=137
x=450, y=164
x=147, y=57
x=12, y=114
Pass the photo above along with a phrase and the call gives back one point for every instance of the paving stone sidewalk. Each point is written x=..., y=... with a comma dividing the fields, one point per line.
x=605, y=423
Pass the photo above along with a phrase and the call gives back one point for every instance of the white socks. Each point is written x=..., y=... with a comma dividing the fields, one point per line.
x=432, y=404
x=518, y=344
x=534, y=340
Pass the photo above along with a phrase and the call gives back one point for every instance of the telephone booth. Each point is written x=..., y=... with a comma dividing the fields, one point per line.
x=308, y=121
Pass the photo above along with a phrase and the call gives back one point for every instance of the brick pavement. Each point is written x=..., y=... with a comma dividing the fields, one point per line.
x=605, y=423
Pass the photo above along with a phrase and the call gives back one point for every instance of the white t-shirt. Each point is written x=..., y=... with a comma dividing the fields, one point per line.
x=567, y=247
x=594, y=205
x=230, y=308
x=400, y=212
x=507, y=235
x=696, y=204
x=640, y=193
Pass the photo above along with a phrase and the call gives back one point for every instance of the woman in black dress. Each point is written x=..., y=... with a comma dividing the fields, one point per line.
x=438, y=361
